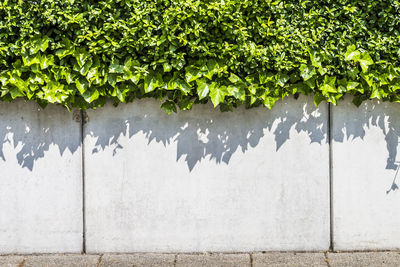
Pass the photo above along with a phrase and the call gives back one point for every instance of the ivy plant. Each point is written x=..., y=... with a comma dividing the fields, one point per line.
x=81, y=53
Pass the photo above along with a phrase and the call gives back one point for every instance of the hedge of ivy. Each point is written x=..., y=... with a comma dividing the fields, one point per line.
x=230, y=52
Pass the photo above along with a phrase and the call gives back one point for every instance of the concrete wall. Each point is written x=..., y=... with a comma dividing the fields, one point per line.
x=248, y=180
x=207, y=181
x=40, y=179
x=365, y=162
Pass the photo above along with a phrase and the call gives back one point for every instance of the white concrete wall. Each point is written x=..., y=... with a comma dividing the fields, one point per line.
x=248, y=180
x=365, y=161
x=40, y=180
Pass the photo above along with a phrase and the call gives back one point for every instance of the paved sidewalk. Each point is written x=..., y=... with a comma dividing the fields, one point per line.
x=209, y=259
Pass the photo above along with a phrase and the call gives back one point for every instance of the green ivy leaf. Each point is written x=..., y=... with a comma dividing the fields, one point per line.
x=203, y=88
x=116, y=68
x=217, y=94
x=212, y=67
x=365, y=61
x=82, y=84
x=265, y=77
x=192, y=73
x=237, y=92
x=30, y=60
x=352, y=53
x=318, y=98
x=369, y=78
x=352, y=85
x=46, y=61
x=185, y=104
x=233, y=78
x=329, y=85
x=315, y=58
x=39, y=43
x=307, y=72
x=152, y=81
x=282, y=78
x=91, y=95
x=169, y=107
x=167, y=67
x=269, y=102
x=15, y=92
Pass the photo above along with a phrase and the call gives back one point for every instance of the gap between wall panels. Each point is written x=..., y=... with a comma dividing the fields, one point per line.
x=330, y=139
x=82, y=122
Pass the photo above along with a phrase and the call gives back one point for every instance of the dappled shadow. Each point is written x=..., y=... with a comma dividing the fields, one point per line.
x=206, y=133
x=353, y=122
x=27, y=132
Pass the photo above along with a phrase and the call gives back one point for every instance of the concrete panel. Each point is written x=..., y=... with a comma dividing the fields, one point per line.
x=220, y=260
x=12, y=261
x=365, y=164
x=279, y=259
x=248, y=180
x=147, y=259
x=71, y=260
x=40, y=179
x=361, y=259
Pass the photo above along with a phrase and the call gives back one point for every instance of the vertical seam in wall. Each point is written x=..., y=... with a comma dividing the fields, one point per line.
x=330, y=122
x=83, y=183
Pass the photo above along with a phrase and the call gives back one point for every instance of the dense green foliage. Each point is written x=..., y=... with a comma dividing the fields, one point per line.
x=232, y=52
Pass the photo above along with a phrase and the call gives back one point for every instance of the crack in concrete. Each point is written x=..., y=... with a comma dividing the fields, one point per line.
x=99, y=260
x=327, y=259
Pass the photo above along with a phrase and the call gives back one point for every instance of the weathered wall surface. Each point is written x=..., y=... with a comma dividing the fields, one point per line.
x=40, y=180
x=207, y=181
x=248, y=180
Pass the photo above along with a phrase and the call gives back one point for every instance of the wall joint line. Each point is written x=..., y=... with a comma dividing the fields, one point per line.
x=330, y=142
x=83, y=121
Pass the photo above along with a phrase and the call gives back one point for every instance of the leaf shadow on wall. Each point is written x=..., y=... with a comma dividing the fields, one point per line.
x=205, y=133
x=27, y=132
x=202, y=134
x=383, y=116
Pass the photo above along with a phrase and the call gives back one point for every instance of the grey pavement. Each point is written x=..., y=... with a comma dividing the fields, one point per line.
x=273, y=259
